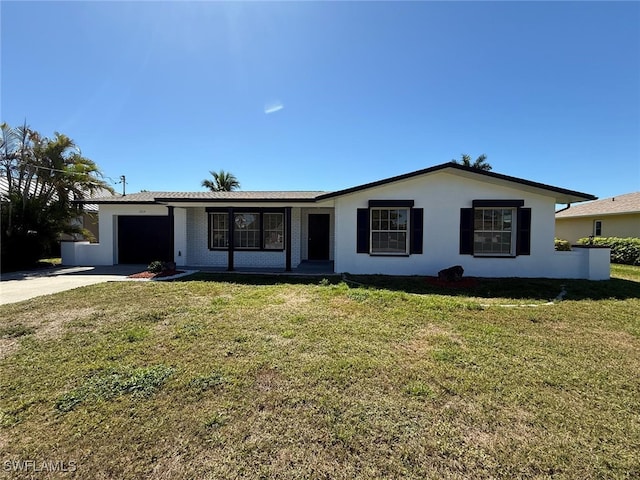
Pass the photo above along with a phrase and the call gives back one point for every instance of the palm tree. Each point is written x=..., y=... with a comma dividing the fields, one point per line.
x=44, y=178
x=480, y=163
x=222, y=182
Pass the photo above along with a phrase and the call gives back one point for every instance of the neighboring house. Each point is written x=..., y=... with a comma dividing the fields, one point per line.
x=414, y=224
x=617, y=216
x=88, y=220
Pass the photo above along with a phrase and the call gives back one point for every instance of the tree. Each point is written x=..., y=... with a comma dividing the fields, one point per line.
x=480, y=163
x=42, y=179
x=222, y=182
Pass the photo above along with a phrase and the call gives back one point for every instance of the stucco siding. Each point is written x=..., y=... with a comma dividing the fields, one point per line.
x=106, y=252
x=442, y=196
x=572, y=229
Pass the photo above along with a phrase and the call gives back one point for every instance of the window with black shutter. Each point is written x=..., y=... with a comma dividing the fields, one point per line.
x=390, y=227
x=495, y=228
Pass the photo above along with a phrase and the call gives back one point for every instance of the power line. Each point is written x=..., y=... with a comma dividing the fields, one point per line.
x=123, y=178
x=39, y=167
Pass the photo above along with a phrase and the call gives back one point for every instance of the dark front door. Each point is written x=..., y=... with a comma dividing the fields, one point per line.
x=319, y=234
x=143, y=239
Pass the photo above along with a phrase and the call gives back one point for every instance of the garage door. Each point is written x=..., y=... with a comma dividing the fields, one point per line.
x=143, y=239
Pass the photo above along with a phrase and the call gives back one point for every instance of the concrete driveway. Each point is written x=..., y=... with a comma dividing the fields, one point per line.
x=18, y=286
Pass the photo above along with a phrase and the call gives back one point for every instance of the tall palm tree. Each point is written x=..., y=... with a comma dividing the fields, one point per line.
x=222, y=182
x=480, y=163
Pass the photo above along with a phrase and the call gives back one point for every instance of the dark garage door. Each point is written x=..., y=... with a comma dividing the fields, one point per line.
x=143, y=239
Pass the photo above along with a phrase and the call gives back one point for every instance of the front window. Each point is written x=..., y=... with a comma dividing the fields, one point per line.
x=219, y=230
x=493, y=232
x=273, y=231
x=259, y=229
x=246, y=232
x=389, y=227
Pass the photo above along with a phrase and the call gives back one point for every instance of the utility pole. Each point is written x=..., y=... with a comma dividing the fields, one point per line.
x=123, y=181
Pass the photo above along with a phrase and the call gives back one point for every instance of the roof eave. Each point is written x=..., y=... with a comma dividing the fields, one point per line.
x=561, y=195
x=595, y=214
x=235, y=200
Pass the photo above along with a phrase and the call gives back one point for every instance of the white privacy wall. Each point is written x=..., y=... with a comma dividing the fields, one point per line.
x=442, y=195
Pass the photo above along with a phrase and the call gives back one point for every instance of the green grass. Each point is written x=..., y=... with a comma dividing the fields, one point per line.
x=278, y=377
x=627, y=272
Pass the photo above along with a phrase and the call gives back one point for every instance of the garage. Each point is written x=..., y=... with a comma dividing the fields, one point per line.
x=143, y=239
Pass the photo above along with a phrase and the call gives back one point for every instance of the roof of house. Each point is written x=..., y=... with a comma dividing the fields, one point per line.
x=236, y=196
x=618, y=205
x=561, y=195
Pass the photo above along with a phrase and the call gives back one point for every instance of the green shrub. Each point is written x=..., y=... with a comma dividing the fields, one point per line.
x=623, y=250
x=562, y=245
x=155, y=266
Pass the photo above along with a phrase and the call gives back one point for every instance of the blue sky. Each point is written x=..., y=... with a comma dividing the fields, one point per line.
x=328, y=95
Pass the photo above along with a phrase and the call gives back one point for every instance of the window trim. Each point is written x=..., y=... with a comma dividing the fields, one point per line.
x=210, y=235
x=596, y=224
x=237, y=230
x=522, y=225
x=514, y=231
x=264, y=230
x=232, y=212
x=407, y=230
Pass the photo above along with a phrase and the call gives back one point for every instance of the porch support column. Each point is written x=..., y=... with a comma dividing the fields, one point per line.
x=230, y=266
x=287, y=223
x=172, y=232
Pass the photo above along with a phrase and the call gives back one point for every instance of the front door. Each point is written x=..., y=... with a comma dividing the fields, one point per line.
x=319, y=236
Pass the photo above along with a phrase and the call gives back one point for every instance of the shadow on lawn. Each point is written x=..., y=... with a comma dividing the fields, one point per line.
x=516, y=288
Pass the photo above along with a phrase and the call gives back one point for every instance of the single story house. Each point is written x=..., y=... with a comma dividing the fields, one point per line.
x=418, y=223
x=617, y=216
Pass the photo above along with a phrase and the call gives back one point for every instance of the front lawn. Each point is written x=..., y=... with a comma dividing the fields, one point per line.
x=628, y=272
x=255, y=377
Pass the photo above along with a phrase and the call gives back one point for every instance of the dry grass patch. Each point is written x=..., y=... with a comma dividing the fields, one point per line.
x=252, y=379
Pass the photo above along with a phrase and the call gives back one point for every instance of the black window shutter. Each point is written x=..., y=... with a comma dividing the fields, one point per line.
x=466, y=231
x=416, y=230
x=362, y=241
x=523, y=239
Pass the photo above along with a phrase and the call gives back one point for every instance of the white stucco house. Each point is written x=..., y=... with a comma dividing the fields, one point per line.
x=418, y=223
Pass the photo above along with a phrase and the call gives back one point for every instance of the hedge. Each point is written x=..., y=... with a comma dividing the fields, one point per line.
x=623, y=250
x=562, y=245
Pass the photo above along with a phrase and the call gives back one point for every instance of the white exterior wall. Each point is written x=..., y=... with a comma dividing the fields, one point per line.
x=106, y=252
x=587, y=263
x=442, y=195
x=80, y=253
x=180, y=236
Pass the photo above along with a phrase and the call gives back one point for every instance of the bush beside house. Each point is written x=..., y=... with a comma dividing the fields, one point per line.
x=562, y=245
x=623, y=250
